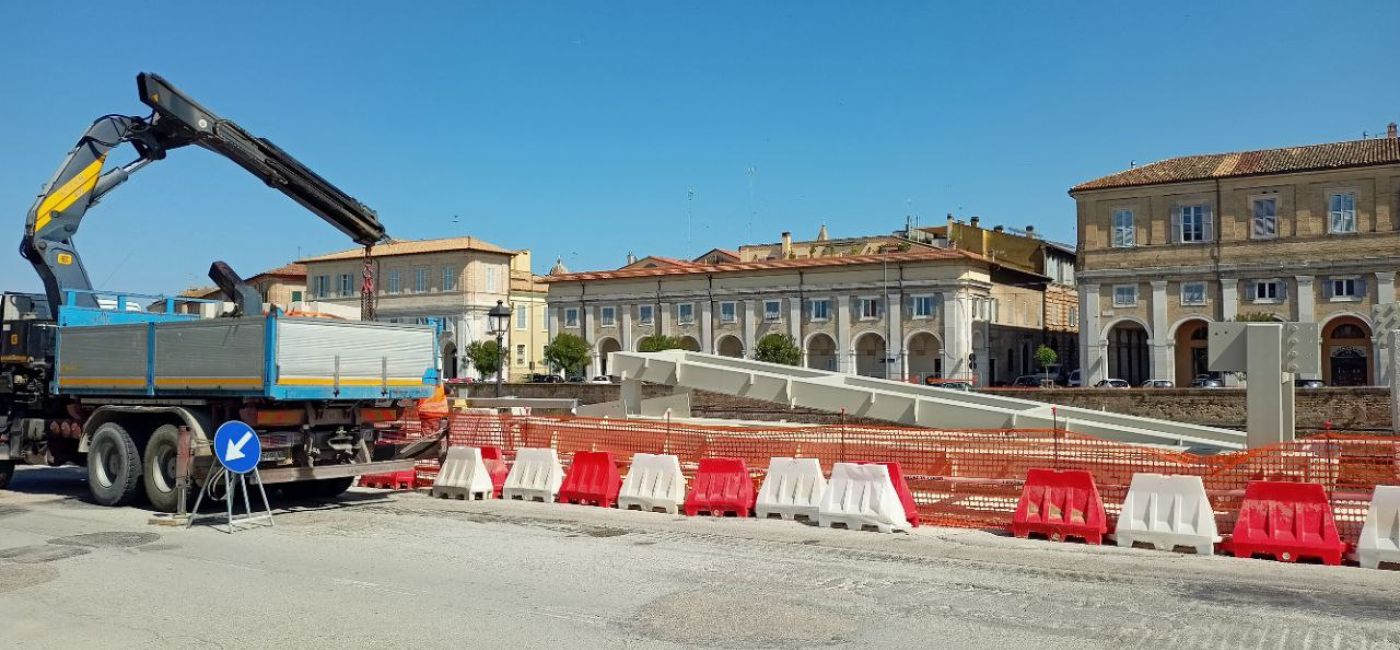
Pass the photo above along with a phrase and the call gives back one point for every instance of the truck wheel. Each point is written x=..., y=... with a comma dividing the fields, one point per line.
x=7, y=471
x=159, y=465
x=114, y=465
x=326, y=488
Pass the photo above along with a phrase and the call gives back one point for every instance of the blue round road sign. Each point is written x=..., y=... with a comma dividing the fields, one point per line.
x=237, y=447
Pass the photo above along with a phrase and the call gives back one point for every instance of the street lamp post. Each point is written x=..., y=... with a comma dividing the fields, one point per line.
x=498, y=322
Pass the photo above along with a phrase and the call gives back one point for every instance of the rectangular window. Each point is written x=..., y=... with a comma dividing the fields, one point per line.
x=869, y=308
x=1193, y=293
x=1192, y=224
x=607, y=316
x=520, y=355
x=685, y=313
x=1268, y=291
x=420, y=280
x=821, y=309
x=449, y=278
x=1125, y=295
x=1341, y=213
x=393, y=284
x=522, y=317
x=1264, y=218
x=1073, y=317
x=772, y=310
x=296, y=296
x=491, y=279
x=346, y=285
x=321, y=286
x=728, y=312
x=644, y=313
x=1345, y=288
x=571, y=317
x=1124, y=233
x=923, y=306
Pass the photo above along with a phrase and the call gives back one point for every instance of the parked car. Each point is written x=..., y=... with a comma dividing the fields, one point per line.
x=544, y=378
x=576, y=379
x=1113, y=383
x=1309, y=383
x=601, y=379
x=1158, y=383
x=953, y=385
x=1075, y=380
x=1206, y=381
x=1030, y=381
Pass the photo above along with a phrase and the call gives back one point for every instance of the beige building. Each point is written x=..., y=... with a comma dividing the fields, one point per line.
x=279, y=287
x=453, y=282
x=1307, y=234
x=912, y=312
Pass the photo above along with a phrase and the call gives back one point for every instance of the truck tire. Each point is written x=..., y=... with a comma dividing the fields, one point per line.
x=7, y=471
x=158, y=468
x=114, y=465
x=326, y=488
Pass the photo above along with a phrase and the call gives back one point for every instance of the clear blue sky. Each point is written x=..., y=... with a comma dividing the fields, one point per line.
x=576, y=129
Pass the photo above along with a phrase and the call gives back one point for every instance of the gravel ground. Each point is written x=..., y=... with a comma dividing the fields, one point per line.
x=405, y=570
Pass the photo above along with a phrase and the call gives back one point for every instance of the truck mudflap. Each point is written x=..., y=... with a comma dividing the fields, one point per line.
x=276, y=475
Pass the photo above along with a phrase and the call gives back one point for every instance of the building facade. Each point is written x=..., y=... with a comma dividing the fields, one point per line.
x=282, y=287
x=453, y=282
x=1306, y=234
x=913, y=315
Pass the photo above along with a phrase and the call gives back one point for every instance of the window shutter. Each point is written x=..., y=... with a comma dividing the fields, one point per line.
x=1175, y=235
x=1208, y=224
x=1282, y=289
x=1361, y=286
x=1327, y=291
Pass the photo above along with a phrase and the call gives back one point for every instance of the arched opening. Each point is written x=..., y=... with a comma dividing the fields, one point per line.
x=925, y=357
x=821, y=352
x=606, y=346
x=1192, y=338
x=870, y=355
x=730, y=346
x=450, y=368
x=1346, y=352
x=1127, y=352
x=690, y=344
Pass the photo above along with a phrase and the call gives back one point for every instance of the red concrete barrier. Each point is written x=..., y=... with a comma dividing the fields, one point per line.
x=1287, y=521
x=722, y=486
x=496, y=467
x=592, y=478
x=390, y=480
x=906, y=496
x=1060, y=504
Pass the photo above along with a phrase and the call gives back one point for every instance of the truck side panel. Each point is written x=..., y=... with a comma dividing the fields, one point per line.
x=326, y=359
x=109, y=358
x=223, y=354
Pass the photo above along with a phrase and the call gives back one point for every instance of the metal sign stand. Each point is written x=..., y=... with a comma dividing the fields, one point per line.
x=230, y=442
x=248, y=519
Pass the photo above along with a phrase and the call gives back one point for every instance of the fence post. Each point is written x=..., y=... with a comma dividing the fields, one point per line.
x=1055, y=431
x=842, y=426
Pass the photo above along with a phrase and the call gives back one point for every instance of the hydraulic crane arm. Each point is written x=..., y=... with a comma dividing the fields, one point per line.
x=176, y=121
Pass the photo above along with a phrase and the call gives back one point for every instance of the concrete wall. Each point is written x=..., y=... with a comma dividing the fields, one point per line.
x=1349, y=409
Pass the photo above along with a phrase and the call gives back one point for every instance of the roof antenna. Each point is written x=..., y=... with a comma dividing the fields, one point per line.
x=689, y=216
x=1132, y=164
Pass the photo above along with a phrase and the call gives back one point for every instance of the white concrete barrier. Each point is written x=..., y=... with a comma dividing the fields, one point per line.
x=1167, y=512
x=792, y=488
x=654, y=482
x=860, y=496
x=1380, y=536
x=535, y=476
x=463, y=476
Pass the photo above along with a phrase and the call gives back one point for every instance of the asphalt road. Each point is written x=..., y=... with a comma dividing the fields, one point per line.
x=404, y=570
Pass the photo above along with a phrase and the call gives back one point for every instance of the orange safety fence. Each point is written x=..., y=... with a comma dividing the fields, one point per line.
x=968, y=478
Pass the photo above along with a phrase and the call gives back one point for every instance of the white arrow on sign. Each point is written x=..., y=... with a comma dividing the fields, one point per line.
x=234, y=451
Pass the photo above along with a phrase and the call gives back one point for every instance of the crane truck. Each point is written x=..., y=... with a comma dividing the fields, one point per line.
x=115, y=381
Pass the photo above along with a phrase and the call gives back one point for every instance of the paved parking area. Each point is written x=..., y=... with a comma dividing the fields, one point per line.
x=404, y=570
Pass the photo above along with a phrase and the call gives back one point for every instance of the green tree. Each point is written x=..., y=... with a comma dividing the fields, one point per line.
x=1046, y=357
x=778, y=348
x=1256, y=317
x=659, y=342
x=568, y=352
x=485, y=357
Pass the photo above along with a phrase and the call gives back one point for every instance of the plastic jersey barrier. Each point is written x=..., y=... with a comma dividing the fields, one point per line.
x=653, y=482
x=861, y=496
x=1059, y=505
x=901, y=487
x=592, y=479
x=390, y=480
x=1167, y=512
x=722, y=487
x=1288, y=521
x=463, y=476
x=535, y=476
x=792, y=488
x=1380, y=536
x=495, y=467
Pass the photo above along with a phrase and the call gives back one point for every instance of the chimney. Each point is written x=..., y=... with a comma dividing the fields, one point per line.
x=998, y=228
x=1390, y=131
x=1030, y=230
x=975, y=221
x=631, y=259
x=787, y=245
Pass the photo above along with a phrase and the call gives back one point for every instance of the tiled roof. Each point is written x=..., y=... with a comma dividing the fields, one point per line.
x=933, y=255
x=293, y=270
x=416, y=246
x=1333, y=155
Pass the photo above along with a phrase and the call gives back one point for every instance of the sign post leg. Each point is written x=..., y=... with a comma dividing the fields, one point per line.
x=266, y=506
x=228, y=499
